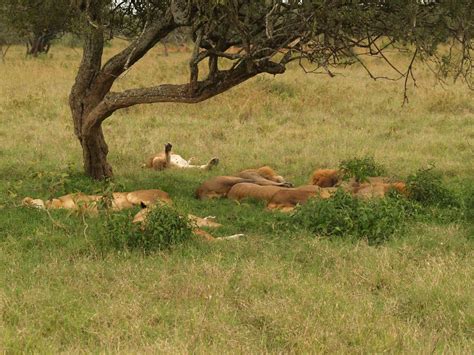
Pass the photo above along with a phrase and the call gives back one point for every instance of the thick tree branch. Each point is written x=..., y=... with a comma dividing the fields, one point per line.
x=179, y=93
x=90, y=65
x=138, y=48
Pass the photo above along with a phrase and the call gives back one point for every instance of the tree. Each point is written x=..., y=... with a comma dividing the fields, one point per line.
x=7, y=38
x=179, y=37
x=38, y=22
x=267, y=35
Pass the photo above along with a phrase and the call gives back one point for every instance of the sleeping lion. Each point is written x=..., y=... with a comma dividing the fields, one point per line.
x=166, y=159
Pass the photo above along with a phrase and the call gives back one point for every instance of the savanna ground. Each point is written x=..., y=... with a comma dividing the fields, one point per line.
x=273, y=290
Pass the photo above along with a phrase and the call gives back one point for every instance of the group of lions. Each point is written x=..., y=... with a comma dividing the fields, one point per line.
x=262, y=183
x=265, y=184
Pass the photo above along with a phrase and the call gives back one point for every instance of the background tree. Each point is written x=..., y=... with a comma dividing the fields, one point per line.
x=7, y=38
x=179, y=38
x=37, y=22
x=265, y=36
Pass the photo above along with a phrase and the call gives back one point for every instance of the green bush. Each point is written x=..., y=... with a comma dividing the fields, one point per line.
x=361, y=168
x=163, y=229
x=426, y=187
x=346, y=216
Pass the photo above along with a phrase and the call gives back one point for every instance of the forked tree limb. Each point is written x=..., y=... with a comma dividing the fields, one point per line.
x=179, y=93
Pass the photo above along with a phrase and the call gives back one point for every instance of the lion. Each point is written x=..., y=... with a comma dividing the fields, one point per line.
x=90, y=203
x=287, y=199
x=76, y=201
x=251, y=190
x=147, y=199
x=326, y=177
x=376, y=189
x=197, y=222
x=219, y=186
x=375, y=186
x=264, y=176
x=166, y=159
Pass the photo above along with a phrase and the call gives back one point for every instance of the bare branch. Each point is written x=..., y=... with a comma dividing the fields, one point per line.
x=409, y=73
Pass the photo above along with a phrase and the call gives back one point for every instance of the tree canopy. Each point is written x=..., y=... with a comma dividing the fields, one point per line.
x=37, y=21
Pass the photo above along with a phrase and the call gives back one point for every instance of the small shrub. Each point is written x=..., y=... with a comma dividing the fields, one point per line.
x=164, y=228
x=346, y=216
x=426, y=187
x=361, y=168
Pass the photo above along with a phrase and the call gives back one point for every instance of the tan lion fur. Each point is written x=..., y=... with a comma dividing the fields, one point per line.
x=375, y=188
x=90, y=203
x=250, y=190
x=123, y=200
x=287, y=199
x=325, y=177
x=265, y=172
x=77, y=201
x=219, y=186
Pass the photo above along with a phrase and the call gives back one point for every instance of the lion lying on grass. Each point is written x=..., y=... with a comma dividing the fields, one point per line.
x=219, y=186
x=326, y=177
x=376, y=186
x=91, y=203
x=147, y=199
x=166, y=159
x=198, y=223
x=324, y=183
x=278, y=197
x=287, y=199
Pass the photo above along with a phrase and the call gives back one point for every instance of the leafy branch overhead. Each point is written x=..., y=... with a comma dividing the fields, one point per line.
x=266, y=35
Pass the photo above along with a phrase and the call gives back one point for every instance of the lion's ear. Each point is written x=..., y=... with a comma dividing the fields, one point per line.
x=142, y=204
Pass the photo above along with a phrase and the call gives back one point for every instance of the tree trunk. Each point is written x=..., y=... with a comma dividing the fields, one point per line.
x=94, y=151
x=40, y=43
x=3, y=52
x=94, y=147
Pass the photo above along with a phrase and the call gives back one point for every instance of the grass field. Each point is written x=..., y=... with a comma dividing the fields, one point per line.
x=274, y=290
